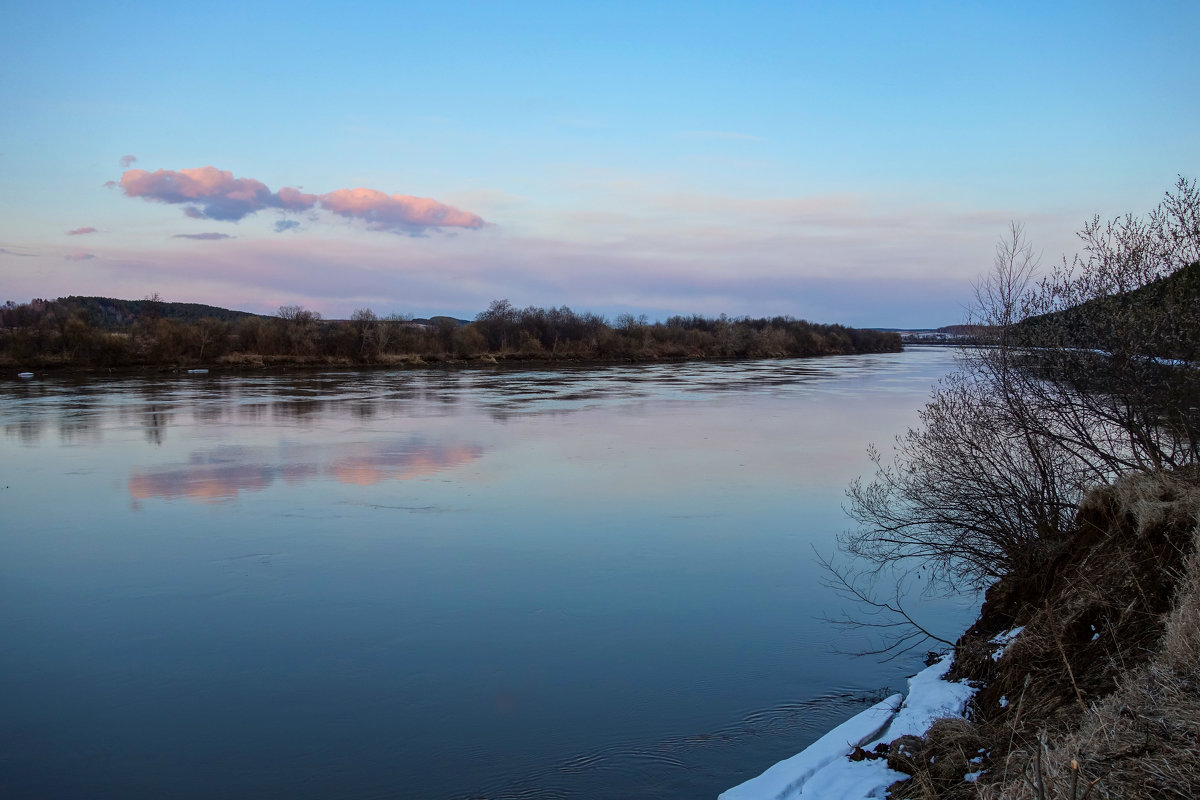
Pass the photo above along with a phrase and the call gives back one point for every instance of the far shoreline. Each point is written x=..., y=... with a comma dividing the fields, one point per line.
x=286, y=364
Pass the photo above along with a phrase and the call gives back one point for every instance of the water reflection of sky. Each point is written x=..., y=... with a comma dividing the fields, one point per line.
x=224, y=472
x=496, y=572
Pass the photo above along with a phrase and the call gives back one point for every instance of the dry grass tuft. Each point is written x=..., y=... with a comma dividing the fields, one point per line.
x=241, y=360
x=950, y=749
x=399, y=360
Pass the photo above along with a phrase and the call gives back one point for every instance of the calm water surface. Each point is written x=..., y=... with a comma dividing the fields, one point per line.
x=592, y=583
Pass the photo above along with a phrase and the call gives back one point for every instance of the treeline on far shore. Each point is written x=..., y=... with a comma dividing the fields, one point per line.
x=79, y=333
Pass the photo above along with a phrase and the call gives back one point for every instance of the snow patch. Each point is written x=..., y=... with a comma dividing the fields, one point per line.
x=822, y=772
x=788, y=778
x=1003, y=641
x=930, y=697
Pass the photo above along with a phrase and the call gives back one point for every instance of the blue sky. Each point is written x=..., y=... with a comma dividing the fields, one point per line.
x=833, y=161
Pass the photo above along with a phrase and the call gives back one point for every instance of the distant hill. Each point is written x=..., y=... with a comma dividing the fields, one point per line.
x=1160, y=319
x=108, y=313
x=114, y=314
x=435, y=321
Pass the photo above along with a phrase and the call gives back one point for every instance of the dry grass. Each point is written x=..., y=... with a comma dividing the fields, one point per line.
x=256, y=360
x=1099, y=697
x=1143, y=740
x=1097, y=611
x=241, y=360
x=949, y=750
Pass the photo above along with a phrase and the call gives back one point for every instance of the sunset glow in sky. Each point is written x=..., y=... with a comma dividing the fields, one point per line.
x=839, y=162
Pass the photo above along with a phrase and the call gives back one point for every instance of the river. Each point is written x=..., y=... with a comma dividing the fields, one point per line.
x=506, y=583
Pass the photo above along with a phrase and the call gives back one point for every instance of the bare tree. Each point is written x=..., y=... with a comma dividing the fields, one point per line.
x=366, y=331
x=1087, y=374
x=206, y=332
x=1000, y=293
x=1112, y=338
x=499, y=324
x=967, y=494
x=300, y=328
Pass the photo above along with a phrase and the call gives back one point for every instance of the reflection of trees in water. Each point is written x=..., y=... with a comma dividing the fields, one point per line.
x=28, y=429
x=25, y=423
x=358, y=395
x=154, y=422
x=78, y=417
x=155, y=412
x=79, y=427
x=443, y=388
x=365, y=409
x=254, y=412
x=296, y=409
x=209, y=413
x=77, y=408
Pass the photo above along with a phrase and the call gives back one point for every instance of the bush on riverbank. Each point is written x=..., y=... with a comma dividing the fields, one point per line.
x=1009, y=445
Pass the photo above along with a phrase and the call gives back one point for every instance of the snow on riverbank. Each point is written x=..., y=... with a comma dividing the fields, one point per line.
x=822, y=770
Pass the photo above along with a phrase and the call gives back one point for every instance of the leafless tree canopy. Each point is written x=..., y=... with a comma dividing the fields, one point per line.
x=1087, y=374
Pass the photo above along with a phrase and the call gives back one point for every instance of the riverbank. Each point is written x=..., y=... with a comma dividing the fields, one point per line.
x=1080, y=677
x=243, y=364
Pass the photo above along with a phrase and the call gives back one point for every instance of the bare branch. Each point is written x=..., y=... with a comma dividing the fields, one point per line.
x=901, y=632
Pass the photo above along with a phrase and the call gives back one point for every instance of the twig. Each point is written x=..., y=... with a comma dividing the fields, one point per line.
x=913, y=632
x=1063, y=651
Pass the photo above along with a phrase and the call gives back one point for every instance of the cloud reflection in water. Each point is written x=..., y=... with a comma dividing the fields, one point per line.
x=223, y=473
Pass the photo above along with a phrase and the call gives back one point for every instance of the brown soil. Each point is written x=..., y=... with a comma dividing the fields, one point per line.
x=1087, y=700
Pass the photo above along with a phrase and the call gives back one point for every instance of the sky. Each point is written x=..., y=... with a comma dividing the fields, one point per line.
x=837, y=162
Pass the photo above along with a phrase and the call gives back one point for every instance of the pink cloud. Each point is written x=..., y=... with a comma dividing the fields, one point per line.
x=397, y=212
x=294, y=199
x=126, y=161
x=80, y=231
x=211, y=193
x=204, y=237
x=79, y=255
